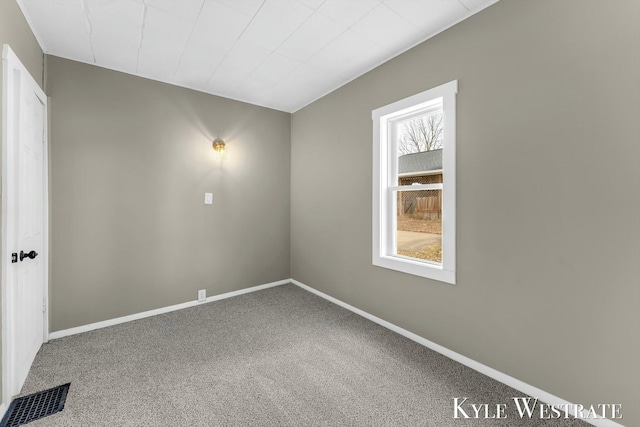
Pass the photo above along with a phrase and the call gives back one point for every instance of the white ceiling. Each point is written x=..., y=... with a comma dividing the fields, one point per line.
x=282, y=54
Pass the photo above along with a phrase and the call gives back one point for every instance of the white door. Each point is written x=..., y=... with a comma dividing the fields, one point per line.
x=24, y=221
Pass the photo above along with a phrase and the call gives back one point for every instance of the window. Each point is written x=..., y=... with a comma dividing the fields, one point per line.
x=414, y=173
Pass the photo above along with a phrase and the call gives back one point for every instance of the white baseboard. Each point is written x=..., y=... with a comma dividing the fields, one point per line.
x=162, y=310
x=476, y=366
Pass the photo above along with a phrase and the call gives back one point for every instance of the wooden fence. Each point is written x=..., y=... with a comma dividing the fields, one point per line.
x=426, y=205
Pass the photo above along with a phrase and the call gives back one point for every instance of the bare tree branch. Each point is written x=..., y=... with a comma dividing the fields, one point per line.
x=421, y=134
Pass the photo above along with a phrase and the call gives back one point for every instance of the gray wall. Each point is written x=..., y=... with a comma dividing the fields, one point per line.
x=548, y=202
x=15, y=32
x=131, y=160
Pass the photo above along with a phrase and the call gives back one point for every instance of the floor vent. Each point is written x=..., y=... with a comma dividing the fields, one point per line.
x=38, y=405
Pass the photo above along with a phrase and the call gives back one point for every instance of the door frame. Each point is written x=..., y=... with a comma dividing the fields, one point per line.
x=10, y=65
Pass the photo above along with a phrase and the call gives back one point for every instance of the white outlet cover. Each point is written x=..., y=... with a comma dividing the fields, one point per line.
x=208, y=198
x=202, y=295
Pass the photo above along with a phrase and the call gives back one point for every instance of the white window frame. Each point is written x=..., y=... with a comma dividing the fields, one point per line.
x=385, y=184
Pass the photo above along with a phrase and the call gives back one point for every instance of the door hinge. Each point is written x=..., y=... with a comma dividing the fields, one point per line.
x=44, y=307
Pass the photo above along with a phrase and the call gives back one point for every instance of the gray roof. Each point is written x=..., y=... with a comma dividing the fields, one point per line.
x=420, y=162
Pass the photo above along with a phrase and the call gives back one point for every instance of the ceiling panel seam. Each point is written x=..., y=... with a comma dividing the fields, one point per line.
x=398, y=15
x=293, y=32
x=278, y=46
x=252, y=18
x=235, y=42
x=85, y=9
x=193, y=28
x=142, y=24
x=465, y=6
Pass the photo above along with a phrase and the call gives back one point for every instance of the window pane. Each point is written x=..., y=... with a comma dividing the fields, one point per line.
x=419, y=225
x=423, y=133
x=419, y=143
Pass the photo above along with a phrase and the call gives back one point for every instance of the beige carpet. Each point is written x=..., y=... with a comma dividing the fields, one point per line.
x=278, y=357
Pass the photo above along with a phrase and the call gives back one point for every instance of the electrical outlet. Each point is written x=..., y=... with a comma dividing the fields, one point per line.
x=202, y=295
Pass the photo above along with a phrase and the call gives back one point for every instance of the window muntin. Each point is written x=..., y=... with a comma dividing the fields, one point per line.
x=414, y=184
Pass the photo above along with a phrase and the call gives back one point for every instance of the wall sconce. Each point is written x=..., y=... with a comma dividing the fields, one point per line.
x=218, y=145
